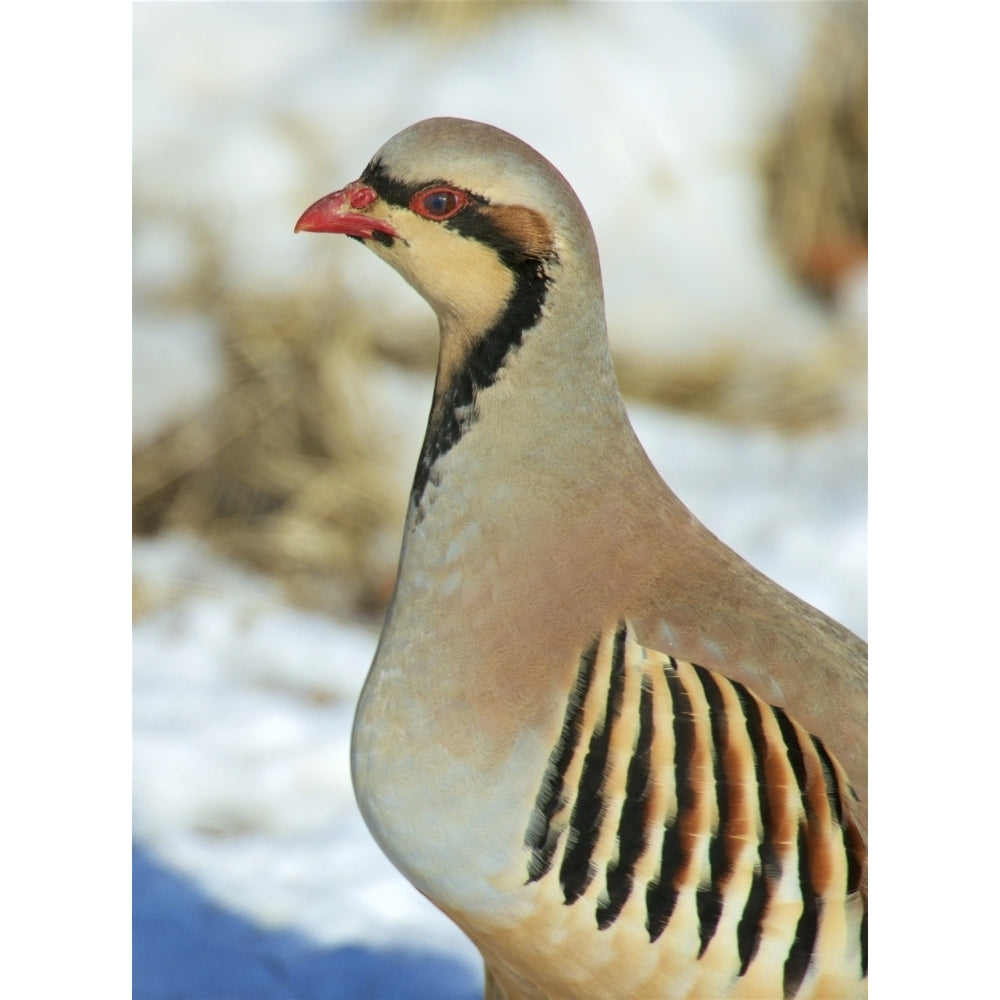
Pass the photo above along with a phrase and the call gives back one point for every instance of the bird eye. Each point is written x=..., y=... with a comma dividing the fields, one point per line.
x=438, y=203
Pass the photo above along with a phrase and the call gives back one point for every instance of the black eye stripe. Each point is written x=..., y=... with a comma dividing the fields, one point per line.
x=400, y=194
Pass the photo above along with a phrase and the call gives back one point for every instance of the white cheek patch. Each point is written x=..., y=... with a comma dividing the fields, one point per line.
x=463, y=280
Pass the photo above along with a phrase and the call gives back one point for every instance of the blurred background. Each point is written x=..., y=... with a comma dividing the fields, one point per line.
x=281, y=384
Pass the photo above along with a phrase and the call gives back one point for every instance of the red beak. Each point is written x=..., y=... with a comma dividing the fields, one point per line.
x=343, y=212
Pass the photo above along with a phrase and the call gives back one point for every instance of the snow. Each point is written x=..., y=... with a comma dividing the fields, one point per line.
x=180, y=368
x=254, y=874
x=242, y=710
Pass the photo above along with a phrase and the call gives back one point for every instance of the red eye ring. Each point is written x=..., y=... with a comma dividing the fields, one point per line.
x=439, y=202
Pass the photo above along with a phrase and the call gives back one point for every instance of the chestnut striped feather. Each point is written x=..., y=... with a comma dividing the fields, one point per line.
x=753, y=811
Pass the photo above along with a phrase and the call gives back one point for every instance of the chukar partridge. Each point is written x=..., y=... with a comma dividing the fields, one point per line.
x=621, y=759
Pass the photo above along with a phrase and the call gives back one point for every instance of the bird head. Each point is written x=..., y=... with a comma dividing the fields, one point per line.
x=472, y=217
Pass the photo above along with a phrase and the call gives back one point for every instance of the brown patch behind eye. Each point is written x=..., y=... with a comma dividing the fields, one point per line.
x=525, y=228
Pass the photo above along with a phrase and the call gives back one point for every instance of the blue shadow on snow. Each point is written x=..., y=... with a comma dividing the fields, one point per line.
x=185, y=947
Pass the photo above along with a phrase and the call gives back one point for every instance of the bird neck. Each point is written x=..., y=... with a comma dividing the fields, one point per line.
x=541, y=362
x=526, y=481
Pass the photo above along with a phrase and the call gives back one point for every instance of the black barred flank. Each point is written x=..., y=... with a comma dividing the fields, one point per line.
x=632, y=833
x=855, y=849
x=751, y=925
x=661, y=897
x=791, y=738
x=864, y=942
x=709, y=903
x=801, y=952
x=770, y=862
x=578, y=869
x=830, y=778
x=747, y=755
x=684, y=739
x=719, y=861
x=541, y=838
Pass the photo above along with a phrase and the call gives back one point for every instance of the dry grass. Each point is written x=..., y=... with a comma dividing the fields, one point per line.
x=283, y=470
x=814, y=392
x=447, y=20
x=817, y=168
